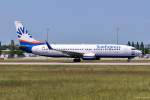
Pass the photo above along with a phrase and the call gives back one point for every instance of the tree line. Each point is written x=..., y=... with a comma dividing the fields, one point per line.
x=139, y=46
x=12, y=49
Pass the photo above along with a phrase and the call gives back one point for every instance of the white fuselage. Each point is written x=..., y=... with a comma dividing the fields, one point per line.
x=97, y=50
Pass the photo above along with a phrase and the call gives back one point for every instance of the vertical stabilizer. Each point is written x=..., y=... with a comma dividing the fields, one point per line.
x=23, y=35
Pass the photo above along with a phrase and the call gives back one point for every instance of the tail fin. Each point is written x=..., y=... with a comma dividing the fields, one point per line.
x=23, y=36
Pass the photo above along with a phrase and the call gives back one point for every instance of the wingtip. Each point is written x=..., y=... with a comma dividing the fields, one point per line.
x=49, y=47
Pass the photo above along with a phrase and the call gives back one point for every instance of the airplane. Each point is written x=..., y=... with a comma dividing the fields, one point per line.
x=75, y=51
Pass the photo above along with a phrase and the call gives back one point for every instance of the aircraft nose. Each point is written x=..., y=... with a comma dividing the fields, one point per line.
x=139, y=53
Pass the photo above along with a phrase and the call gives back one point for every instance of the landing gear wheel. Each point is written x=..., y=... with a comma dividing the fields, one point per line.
x=77, y=60
x=129, y=59
x=97, y=58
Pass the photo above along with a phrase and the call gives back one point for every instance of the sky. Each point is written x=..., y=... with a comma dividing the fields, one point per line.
x=77, y=21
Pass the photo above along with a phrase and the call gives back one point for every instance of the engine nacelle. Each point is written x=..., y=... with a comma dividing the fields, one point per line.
x=89, y=56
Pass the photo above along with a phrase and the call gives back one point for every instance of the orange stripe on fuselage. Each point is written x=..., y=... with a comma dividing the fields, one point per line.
x=34, y=42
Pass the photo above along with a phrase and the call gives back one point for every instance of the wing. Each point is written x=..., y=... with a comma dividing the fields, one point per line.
x=69, y=53
x=72, y=54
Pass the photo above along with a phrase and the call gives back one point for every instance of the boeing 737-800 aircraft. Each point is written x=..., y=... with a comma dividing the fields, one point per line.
x=76, y=51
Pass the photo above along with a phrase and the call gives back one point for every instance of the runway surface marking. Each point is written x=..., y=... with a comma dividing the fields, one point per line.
x=59, y=63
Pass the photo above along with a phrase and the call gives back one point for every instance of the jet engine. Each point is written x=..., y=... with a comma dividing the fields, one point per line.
x=89, y=56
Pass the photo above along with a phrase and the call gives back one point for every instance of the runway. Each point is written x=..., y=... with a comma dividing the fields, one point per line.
x=60, y=63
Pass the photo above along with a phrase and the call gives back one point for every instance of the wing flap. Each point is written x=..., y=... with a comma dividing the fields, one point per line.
x=72, y=54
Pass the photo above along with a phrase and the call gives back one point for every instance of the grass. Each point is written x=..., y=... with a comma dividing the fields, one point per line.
x=74, y=82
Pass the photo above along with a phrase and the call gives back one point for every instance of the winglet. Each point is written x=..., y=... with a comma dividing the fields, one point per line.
x=49, y=47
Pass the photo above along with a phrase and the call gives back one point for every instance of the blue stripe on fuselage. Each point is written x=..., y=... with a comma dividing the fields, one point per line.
x=28, y=46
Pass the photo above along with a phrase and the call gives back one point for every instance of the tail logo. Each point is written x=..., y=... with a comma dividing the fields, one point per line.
x=22, y=31
x=23, y=35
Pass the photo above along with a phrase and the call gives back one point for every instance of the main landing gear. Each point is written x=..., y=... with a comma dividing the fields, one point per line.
x=129, y=59
x=76, y=60
x=97, y=58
